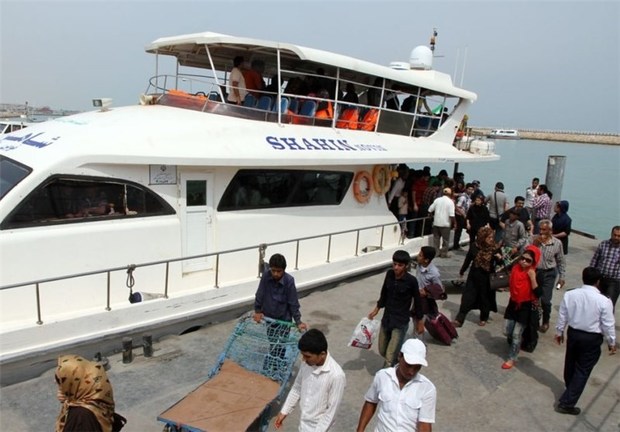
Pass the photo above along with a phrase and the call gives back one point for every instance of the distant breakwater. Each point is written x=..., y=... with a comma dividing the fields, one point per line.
x=543, y=135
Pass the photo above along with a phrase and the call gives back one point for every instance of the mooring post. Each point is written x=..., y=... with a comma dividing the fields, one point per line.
x=147, y=345
x=127, y=350
x=555, y=176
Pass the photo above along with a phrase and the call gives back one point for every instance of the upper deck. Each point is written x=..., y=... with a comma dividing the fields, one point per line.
x=306, y=86
x=395, y=115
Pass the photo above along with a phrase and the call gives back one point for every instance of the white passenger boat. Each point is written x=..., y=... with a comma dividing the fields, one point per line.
x=505, y=133
x=12, y=125
x=179, y=198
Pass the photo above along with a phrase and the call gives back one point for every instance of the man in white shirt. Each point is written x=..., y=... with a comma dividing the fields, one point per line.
x=531, y=193
x=443, y=221
x=589, y=316
x=319, y=386
x=237, y=90
x=405, y=398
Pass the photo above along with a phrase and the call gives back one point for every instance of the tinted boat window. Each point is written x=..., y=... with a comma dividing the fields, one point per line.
x=11, y=173
x=68, y=200
x=253, y=189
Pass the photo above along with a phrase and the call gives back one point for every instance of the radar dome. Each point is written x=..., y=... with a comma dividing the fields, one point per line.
x=421, y=58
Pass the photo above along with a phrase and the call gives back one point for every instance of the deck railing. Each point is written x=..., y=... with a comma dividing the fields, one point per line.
x=207, y=95
x=261, y=248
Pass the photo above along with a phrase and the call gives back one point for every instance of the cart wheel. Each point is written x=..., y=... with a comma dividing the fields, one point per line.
x=170, y=428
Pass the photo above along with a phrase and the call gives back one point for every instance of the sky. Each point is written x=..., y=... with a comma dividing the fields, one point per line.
x=552, y=65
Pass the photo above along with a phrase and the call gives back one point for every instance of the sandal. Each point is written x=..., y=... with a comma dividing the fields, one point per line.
x=508, y=364
x=482, y=323
x=457, y=323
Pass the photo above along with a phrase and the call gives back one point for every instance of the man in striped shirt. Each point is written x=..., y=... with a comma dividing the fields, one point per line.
x=607, y=260
x=550, y=266
x=542, y=205
x=319, y=386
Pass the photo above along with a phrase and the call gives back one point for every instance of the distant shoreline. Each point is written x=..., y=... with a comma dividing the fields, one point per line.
x=607, y=139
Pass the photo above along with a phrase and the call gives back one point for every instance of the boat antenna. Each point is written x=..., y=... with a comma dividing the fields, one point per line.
x=434, y=42
x=433, y=39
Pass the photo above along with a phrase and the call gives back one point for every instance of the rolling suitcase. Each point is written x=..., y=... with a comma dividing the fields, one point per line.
x=441, y=328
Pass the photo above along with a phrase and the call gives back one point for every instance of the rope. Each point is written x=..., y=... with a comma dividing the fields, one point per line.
x=130, y=279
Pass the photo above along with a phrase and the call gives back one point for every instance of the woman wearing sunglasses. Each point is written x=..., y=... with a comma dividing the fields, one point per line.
x=524, y=294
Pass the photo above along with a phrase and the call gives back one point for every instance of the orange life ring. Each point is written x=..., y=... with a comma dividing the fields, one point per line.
x=362, y=192
x=381, y=179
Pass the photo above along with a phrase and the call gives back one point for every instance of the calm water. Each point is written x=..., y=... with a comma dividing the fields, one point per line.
x=591, y=178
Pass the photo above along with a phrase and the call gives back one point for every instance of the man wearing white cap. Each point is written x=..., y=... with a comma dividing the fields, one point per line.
x=406, y=399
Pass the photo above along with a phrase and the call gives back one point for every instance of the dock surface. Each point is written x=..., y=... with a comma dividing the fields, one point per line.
x=473, y=392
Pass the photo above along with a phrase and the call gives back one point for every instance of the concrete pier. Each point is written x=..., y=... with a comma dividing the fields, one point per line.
x=474, y=393
x=585, y=137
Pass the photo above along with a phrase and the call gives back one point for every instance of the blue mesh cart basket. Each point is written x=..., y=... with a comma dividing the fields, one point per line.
x=250, y=375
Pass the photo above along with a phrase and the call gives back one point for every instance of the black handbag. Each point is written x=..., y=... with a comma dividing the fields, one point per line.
x=500, y=280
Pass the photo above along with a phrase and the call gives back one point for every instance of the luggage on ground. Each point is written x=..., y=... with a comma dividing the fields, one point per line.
x=441, y=328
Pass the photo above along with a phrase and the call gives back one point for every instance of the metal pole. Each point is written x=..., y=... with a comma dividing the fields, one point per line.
x=555, y=176
x=329, y=247
x=167, y=274
x=107, y=307
x=38, y=306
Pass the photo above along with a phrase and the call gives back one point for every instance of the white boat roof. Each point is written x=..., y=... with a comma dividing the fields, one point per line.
x=157, y=134
x=190, y=51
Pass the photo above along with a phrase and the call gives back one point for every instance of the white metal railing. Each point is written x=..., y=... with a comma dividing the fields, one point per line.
x=415, y=122
x=166, y=263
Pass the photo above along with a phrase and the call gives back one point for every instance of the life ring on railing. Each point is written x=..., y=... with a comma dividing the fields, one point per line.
x=362, y=186
x=381, y=178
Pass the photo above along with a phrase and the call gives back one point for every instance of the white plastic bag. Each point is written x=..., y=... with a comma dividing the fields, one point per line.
x=365, y=333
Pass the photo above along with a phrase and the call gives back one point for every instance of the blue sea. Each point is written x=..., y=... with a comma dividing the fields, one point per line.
x=591, y=178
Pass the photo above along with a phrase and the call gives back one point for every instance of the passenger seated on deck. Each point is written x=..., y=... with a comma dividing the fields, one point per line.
x=391, y=99
x=350, y=95
x=273, y=86
x=325, y=109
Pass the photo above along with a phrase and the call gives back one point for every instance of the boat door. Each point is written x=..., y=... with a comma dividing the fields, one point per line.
x=196, y=202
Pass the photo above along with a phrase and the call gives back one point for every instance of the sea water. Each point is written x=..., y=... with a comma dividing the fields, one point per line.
x=591, y=178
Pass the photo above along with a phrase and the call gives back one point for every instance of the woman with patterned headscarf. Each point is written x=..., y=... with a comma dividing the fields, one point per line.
x=85, y=394
x=477, y=294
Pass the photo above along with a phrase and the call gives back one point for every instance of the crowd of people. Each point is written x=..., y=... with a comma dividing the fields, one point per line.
x=531, y=244
x=402, y=397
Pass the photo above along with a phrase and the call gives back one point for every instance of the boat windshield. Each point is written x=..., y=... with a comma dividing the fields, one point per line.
x=11, y=173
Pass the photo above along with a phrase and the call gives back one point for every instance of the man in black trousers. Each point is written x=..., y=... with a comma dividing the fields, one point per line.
x=589, y=316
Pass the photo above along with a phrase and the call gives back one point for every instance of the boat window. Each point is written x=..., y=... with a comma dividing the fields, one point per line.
x=253, y=189
x=11, y=173
x=68, y=200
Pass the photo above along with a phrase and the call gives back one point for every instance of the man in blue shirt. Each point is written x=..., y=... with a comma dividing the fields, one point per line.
x=276, y=296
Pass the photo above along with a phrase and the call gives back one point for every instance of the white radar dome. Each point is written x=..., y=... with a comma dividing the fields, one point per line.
x=421, y=58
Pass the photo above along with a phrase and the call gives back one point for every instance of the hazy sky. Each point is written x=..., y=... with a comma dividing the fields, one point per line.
x=533, y=64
